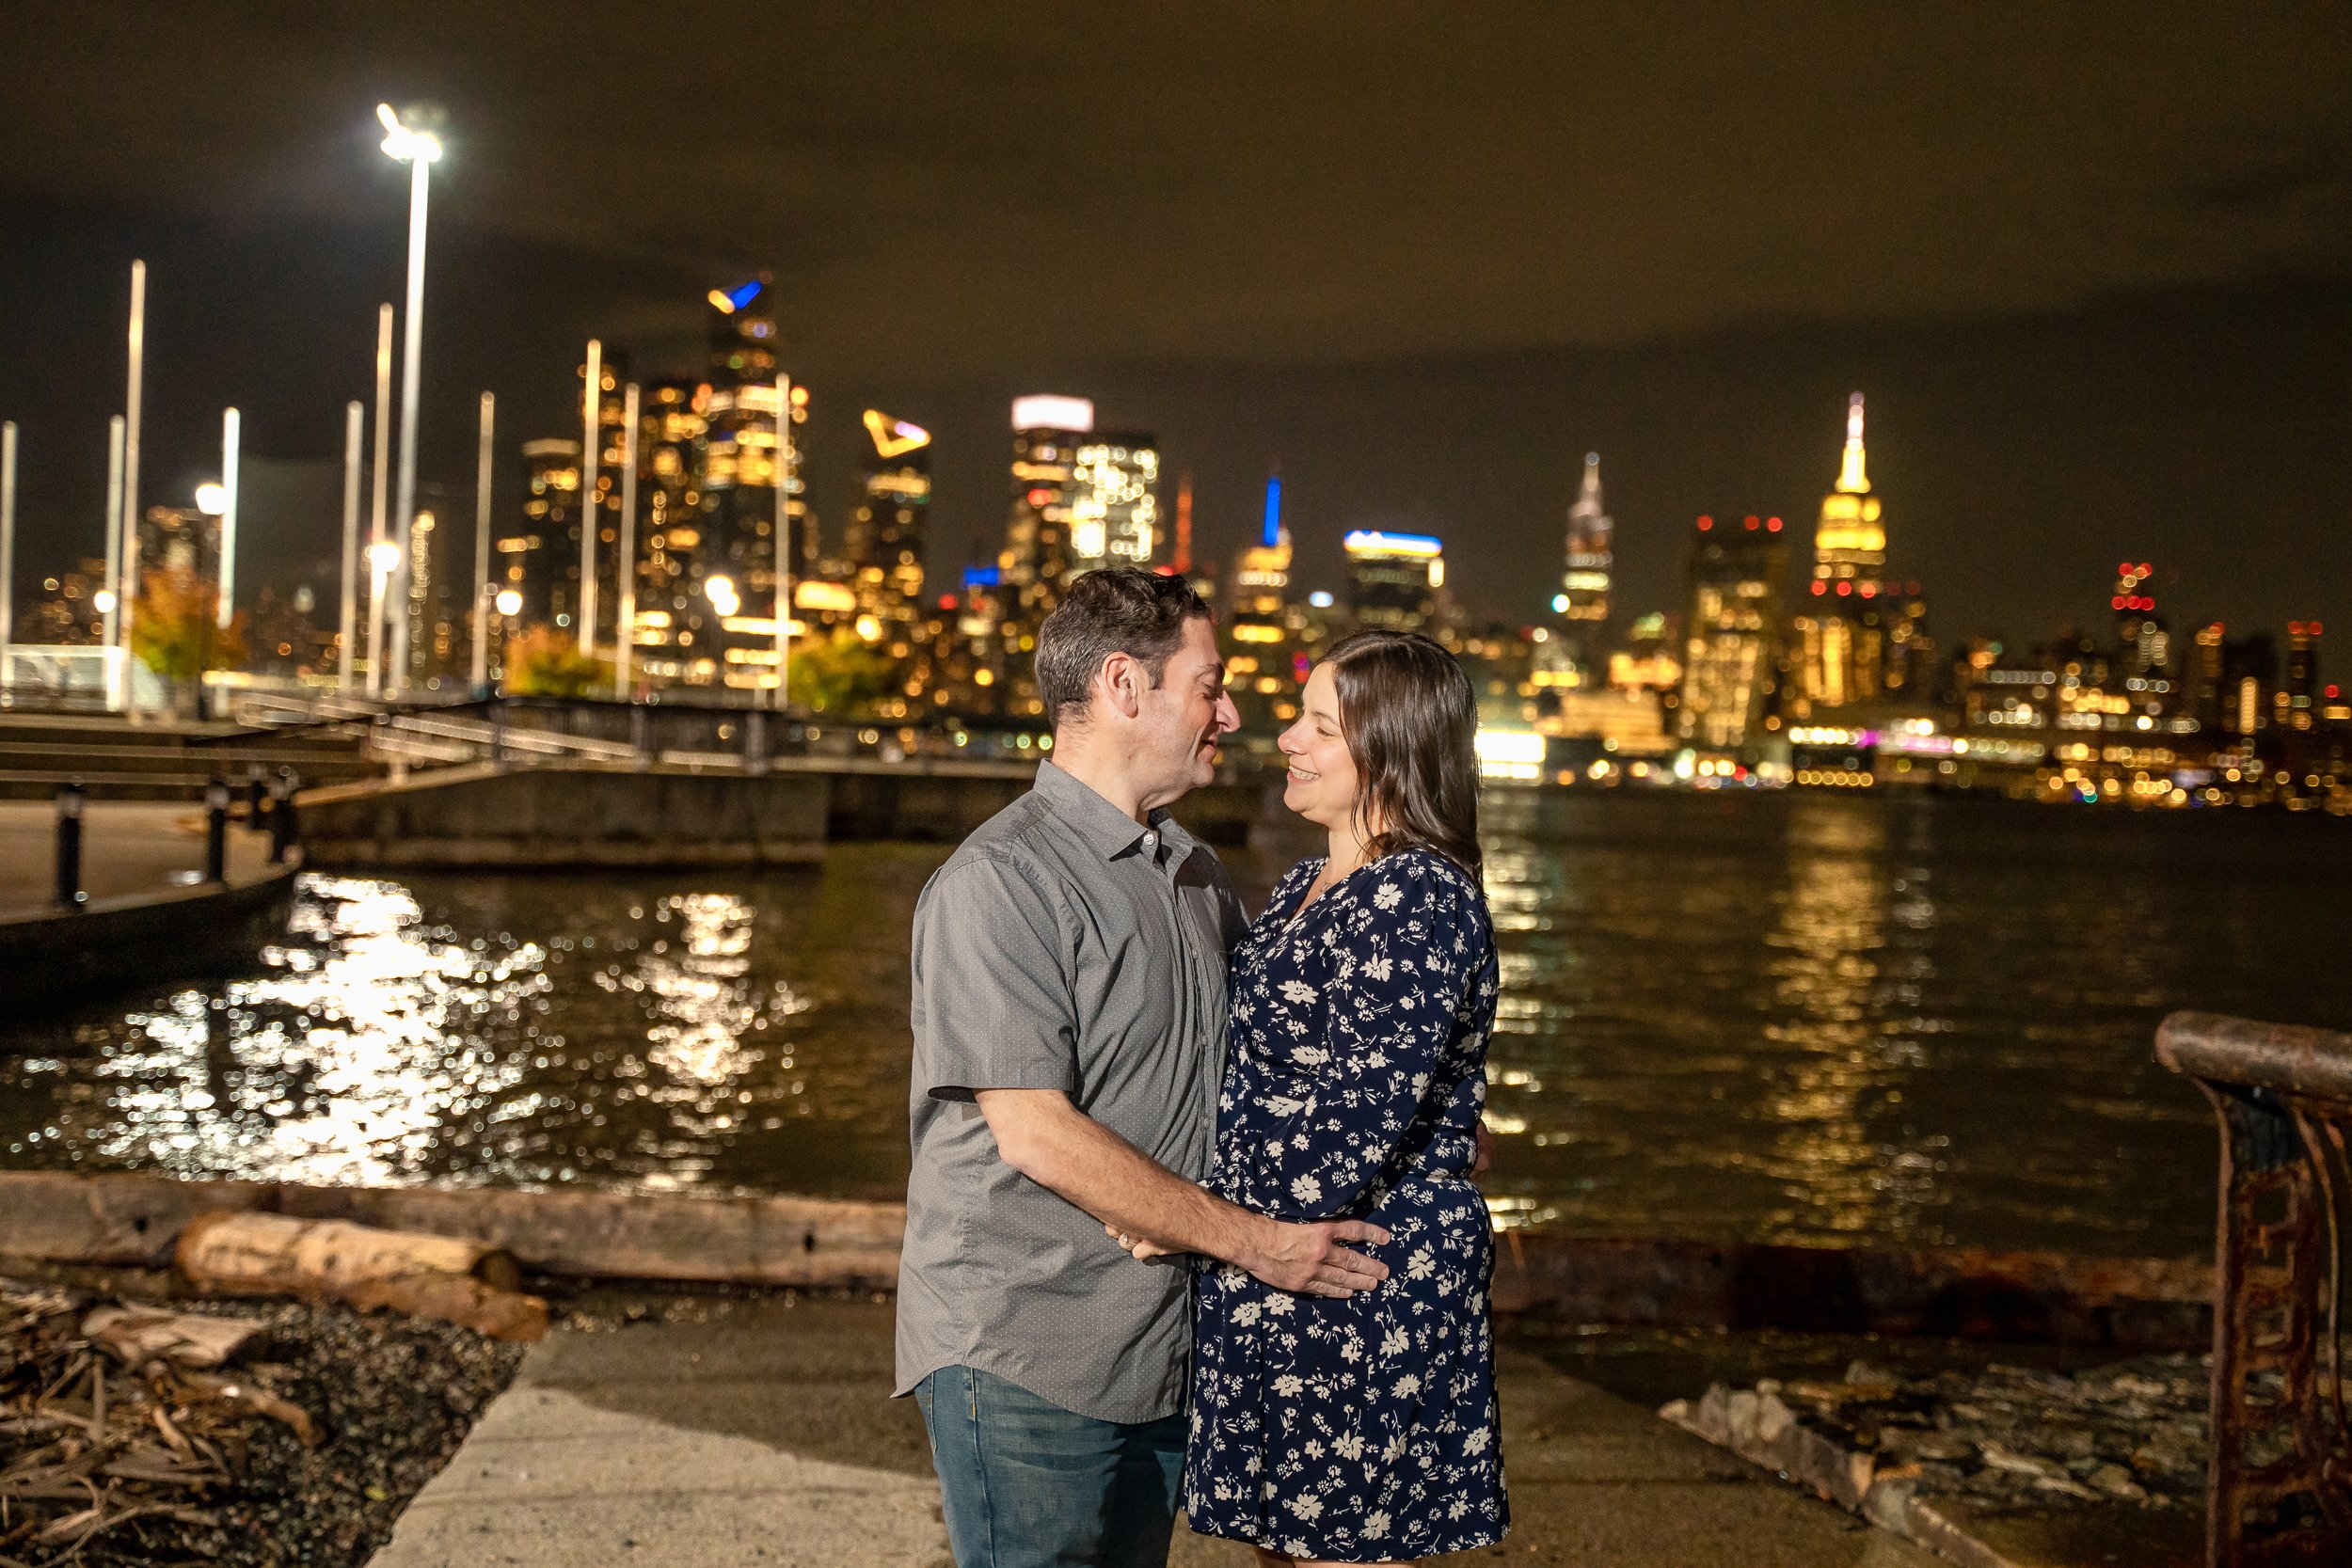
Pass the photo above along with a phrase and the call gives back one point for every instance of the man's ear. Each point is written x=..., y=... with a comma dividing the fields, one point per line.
x=1120, y=682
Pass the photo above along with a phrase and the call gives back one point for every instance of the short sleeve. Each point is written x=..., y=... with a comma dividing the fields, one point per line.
x=993, y=1006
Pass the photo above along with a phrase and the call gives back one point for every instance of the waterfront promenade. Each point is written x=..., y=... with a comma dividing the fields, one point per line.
x=756, y=1433
x=129, y=847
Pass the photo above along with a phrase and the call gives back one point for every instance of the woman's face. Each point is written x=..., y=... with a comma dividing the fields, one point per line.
x=1321, y=783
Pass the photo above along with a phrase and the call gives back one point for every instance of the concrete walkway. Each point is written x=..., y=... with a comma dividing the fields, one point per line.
x=128, y=847
x=733, y=1433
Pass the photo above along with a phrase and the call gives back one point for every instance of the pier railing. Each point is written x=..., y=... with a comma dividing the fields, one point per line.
x=2280, y=1490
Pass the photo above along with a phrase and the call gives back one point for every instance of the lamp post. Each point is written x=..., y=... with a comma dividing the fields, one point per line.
x=383, y=560
x=225, y=610
x=510, y=604
x=378, y=529
x=783, y=542
x=625, y=565
x=212, y=499
x=347, y=619
x=7, y=548
x=592, y=397
x=127, y=591
x=482, y=549
x=411, y=139
x=107, y=597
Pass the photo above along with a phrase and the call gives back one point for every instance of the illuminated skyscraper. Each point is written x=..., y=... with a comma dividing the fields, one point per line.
x=1046, y=434
x=1261, y=673
x=738, y=475
x=677, y=640
x=1583, y=602
x=1393, y=578
x=885, y=543
x=1842, y=637
x=2295, y=705
x=541, y=559
x=1114, y=502
x=1731, y=634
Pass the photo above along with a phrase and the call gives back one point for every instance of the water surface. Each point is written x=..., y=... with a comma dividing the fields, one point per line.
x=1790, y=1016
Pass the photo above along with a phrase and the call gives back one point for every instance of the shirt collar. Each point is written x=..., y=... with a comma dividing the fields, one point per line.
x=1109, y=832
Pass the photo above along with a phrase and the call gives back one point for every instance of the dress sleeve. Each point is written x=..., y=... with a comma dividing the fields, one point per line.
x=992, y=1007
x=1396, y=978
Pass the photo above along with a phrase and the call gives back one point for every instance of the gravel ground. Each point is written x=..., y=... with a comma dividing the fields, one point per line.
x=389, y=1399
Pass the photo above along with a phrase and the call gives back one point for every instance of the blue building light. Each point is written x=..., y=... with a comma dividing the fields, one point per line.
x=1273, y=532
x=981, y=577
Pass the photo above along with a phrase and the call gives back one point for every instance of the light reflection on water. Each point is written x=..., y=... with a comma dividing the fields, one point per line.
x=1796, y=1017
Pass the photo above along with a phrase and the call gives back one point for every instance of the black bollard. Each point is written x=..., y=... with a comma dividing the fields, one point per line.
x=282, y=816
x=69, y=800
x=217, y=829
x=256, y=790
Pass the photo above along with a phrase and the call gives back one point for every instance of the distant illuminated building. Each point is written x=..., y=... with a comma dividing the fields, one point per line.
x=1582, y=603
x=1261, y=672
x=2249, y=676
x=1911, y=663
x=677, y=629
x=884, y=545
x=1730, y=643
x=541, y=559
x=1649, y=662
x=2296, y=703
x=2207, y=677
x=741, y=467
x=1114, y=502
x=1393, y=578
x=1842, y=638
x=1046, y=434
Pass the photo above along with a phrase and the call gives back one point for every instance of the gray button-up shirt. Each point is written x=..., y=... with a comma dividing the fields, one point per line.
x=1067, y=946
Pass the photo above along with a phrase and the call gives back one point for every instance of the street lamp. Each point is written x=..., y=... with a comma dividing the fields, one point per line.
x=409, y=137
x=383, y=560
x=212, y=498
x=510, y=604
x=723, y=596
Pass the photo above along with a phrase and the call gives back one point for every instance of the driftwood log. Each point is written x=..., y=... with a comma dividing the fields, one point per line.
x=141, y=1334
x=2144, y=1302
x=453, y=1279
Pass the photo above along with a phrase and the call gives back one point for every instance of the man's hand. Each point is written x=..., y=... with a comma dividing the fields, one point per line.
x=1306, y=1258
x=1309, y=1258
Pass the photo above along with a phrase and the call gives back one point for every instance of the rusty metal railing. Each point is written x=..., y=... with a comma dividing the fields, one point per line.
x=2279, y=1493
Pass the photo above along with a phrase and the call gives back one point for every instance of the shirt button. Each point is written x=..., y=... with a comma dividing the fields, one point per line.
x=1152, y=842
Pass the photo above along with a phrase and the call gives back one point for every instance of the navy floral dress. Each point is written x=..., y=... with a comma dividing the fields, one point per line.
x=1364, y=1429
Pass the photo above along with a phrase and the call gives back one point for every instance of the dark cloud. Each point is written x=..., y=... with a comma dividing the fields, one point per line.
x=2084, y=258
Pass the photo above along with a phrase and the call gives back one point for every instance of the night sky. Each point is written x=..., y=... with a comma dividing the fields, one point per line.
x=2091, y=264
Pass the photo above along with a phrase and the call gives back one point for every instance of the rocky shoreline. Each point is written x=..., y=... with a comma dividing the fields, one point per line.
x=302, y=1450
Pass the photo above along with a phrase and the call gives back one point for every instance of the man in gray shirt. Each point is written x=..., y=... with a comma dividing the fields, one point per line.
x=1068, y=1012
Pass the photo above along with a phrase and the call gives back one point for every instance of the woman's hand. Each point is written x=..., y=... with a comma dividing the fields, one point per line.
x=1141, y=1251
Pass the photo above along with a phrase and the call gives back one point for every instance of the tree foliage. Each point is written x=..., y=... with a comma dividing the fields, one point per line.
x=842, y=674
x=544, y=663
x=171, y=627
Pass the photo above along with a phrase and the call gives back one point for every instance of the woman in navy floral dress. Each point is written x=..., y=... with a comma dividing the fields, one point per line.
x=1363, y=1430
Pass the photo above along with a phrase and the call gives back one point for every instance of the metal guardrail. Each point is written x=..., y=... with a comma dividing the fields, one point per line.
x=2279, y=1493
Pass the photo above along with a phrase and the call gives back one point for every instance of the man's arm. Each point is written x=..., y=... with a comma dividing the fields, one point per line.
x=1049, y=1140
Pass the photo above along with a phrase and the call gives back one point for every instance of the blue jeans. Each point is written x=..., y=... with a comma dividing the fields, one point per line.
x=1028, y=1484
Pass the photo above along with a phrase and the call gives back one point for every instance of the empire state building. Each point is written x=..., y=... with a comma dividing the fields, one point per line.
x=1843, y=637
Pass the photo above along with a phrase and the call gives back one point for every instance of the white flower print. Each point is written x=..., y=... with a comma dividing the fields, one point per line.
x=1306, y=1189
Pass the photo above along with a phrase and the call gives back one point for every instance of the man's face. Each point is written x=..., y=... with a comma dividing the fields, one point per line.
x=1183, y=719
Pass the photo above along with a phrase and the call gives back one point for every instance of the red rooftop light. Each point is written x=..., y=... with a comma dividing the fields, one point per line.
x=1706, y=523
x=1819, y=587
x=1844, y=589
x=1771, y=525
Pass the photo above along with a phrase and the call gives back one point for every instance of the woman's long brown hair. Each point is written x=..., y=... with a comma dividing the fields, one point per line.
x=1410, y=721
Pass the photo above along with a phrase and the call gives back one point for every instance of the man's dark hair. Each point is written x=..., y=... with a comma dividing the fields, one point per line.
x=1117, y=609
